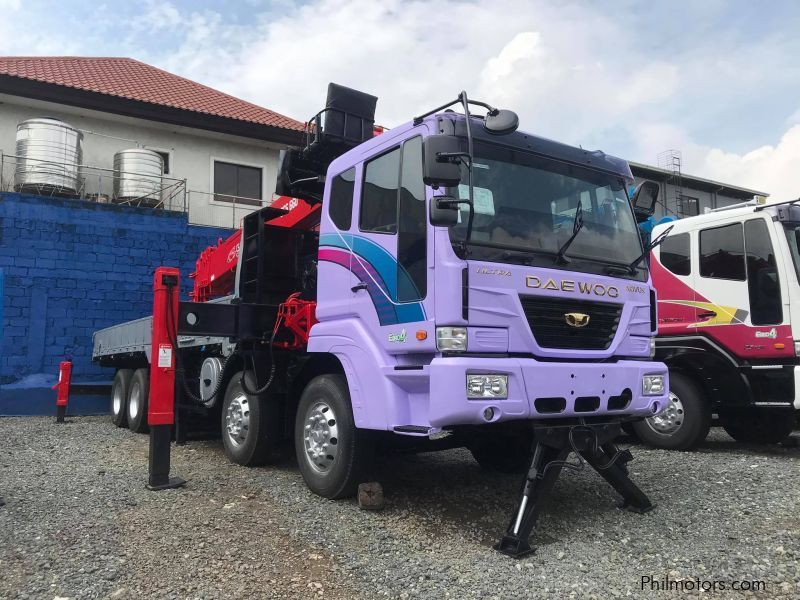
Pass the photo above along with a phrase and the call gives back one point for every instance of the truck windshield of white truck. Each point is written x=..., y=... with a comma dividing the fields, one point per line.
x=525, y=206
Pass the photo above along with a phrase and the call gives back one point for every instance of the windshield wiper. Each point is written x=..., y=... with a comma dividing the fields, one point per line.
x=631, y=268
x=511, y=251
x=577, y=225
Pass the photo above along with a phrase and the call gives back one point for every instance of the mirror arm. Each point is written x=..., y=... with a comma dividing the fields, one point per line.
x=467, y=118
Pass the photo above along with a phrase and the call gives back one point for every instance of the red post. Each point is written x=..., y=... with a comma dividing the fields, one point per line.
x=166, y=290
x=62, y=398
x=161, y=407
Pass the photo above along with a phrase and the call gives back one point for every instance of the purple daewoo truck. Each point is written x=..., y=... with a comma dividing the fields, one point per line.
x=473, y=286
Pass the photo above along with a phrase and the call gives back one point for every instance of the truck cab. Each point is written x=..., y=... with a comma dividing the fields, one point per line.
x=728, y=310
x=438, y=332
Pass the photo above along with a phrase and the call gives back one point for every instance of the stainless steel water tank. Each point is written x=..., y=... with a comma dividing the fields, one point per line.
x=49, y=155
x=138, y=176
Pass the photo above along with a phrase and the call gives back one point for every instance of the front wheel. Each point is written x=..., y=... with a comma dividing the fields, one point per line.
x=333, y=455
x=683, y=423
x=758, y=425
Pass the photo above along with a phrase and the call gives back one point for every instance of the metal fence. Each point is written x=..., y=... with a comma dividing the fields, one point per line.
x=96, y=184
x=220, y=210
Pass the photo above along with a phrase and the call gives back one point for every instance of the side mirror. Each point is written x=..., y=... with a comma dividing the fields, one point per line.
x=444, y=211
x=501, y=122
x=441, y=166
x=644, y=198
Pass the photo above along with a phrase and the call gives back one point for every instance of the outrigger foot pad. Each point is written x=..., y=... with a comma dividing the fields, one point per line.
x=552, y=447
x=172, y=482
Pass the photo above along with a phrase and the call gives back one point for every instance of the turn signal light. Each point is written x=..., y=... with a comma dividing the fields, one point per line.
x=422, y=335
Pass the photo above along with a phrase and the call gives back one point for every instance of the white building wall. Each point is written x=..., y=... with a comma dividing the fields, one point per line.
x=192, y=152
x=667, y=199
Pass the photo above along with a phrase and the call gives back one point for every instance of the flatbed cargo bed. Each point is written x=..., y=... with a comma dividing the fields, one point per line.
x=134, y=338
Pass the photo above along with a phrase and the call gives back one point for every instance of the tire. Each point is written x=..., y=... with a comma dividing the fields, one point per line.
x=503, y=453
x=684, y=423
x=138, y=396
x=250, y=425
x=753, y=425
x=119, y=397
x=333, y=455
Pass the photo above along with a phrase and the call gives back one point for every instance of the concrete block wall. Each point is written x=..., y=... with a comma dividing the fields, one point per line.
x=71, y=267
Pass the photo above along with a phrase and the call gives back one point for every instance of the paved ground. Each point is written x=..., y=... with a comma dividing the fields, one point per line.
x=78, y=523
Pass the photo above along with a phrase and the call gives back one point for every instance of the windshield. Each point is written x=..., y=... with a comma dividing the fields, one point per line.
x=792, y=235
x=527, y=202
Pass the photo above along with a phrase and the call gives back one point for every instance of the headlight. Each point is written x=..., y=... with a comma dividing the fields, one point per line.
x=653, y=385
x=487, y=386
x=451, y=339
x=797, y=348
x=652, y=348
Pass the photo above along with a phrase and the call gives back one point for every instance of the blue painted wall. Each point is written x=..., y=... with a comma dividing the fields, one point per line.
x=72, y=267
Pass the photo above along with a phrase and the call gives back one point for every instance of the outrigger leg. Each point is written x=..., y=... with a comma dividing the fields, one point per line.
x=552, y=447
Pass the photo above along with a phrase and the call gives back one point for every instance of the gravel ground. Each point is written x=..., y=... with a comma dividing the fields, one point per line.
x=78, y=523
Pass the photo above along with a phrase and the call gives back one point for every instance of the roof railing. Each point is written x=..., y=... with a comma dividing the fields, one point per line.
x=739, y=205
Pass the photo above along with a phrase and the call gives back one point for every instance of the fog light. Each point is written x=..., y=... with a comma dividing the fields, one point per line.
x=488, y=413
x=653, y=385
x=487, y=386
x=451, y=339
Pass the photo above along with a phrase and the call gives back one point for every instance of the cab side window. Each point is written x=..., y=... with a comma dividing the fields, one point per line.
x=412, y=241
x=674, y=254
x=763, y=284
x=379, y=196
x=722, y=252
x=340, y=203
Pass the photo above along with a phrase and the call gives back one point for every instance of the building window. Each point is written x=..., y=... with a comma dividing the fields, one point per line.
x=763, y=284
x=722, y=252
x=688, y=206
x=379, y=196
x=674, y=254
x=165, y=157
x=237, y=183
x=340, y=203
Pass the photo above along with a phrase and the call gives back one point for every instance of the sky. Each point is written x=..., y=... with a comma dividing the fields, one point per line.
x=717, y=81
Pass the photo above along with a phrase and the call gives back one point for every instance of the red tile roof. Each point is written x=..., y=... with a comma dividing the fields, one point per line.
x=134, y=80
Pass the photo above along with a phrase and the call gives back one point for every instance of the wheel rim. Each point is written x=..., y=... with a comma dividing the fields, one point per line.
x=237, y=419
x=670, y=419
x=321, y=436
x=116, y=400
x=135, y=400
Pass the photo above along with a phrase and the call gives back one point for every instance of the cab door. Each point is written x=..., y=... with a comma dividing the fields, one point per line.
x=739, y=290
x=391, y=251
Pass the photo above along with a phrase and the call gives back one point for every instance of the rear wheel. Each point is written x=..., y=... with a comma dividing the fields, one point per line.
x=138, y=396
x=119, y=396
x=333, y=455
x=758, y=425
x=251, y=425
x=684, y=422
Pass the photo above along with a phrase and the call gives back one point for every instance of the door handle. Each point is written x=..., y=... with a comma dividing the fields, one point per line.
x=358, y=286
x=704, y=316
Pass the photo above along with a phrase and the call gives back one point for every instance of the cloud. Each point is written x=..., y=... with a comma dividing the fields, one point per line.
x=158, y=15
x=773, y=169
x=720, y=85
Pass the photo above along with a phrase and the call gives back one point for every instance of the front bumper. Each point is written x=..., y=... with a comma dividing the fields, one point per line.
x=538, y=390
